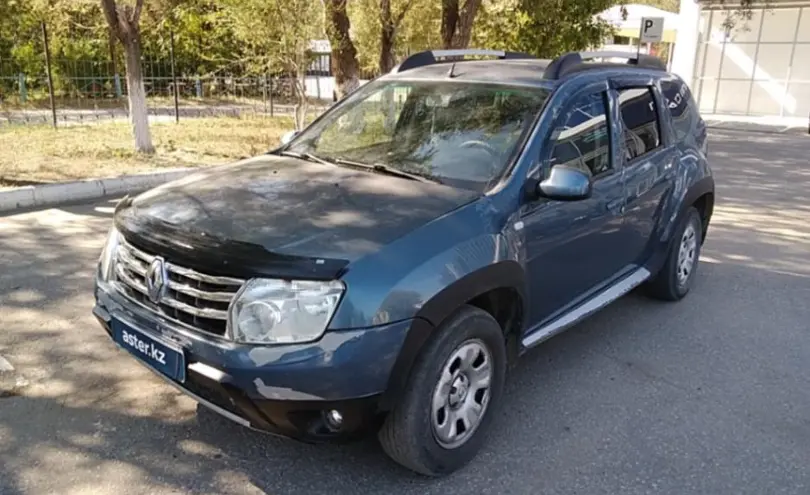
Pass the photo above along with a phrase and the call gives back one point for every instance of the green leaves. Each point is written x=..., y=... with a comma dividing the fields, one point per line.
x=545, y=28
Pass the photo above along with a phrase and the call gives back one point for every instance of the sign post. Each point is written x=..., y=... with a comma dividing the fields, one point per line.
x=650, y=31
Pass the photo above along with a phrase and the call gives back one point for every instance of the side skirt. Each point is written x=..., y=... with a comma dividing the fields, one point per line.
x=592, y=305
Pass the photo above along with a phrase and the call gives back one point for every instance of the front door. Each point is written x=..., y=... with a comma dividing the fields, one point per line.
x=573, y=247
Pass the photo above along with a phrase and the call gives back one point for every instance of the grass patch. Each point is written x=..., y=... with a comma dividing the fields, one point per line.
x=42, y=154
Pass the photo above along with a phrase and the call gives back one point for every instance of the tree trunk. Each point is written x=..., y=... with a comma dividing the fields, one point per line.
x=387, y=33
x=344, y=54
x=457, y=22
x=464, y=24
x=123, y=22
x=138, y=114
x=302, y=103
x=387, y=60
x=449, y=21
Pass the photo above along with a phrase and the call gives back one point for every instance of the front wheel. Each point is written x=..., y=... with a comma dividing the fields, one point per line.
x=675, y=278
x=441, y=420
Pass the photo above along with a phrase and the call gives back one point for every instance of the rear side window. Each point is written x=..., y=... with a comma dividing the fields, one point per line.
x=642, y=131
x=682, y=106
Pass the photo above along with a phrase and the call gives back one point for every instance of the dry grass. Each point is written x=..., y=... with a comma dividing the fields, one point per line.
x=42, y=154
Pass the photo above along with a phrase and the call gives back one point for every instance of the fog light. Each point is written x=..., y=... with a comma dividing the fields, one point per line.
x=334, y=420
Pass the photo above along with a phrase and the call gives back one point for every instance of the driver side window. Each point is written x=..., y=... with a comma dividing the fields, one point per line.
x=583, y=142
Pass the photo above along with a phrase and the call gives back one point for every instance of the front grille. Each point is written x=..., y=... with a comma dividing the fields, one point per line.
x=193, y=299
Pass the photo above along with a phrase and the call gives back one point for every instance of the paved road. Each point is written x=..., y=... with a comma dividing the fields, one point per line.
x=708, y=396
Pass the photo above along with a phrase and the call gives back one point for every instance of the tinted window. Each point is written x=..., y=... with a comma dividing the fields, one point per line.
x=584, y=141
x=682, y=107
x=640, y=117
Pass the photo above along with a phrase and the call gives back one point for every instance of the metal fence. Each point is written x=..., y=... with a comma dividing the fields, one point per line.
x=82, y=91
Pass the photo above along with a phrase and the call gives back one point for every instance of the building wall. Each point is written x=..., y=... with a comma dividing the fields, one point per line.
x=760, y=67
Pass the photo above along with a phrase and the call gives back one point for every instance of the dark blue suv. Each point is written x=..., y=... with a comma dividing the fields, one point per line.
x=381, y=269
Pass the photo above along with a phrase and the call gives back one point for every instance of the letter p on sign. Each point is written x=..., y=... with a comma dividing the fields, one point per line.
x=652, y=29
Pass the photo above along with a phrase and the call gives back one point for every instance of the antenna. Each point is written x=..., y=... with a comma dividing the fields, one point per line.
x=450, y=72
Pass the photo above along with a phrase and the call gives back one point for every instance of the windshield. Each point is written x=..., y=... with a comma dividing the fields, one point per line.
x=457, y=133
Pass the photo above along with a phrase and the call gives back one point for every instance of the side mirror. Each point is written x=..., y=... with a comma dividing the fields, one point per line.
x=565, y=184
x=287, y=137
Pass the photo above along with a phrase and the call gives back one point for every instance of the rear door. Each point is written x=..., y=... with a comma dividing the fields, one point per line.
x=649, y=158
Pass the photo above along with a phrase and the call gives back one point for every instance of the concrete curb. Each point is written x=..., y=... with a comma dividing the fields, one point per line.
x=54, y=194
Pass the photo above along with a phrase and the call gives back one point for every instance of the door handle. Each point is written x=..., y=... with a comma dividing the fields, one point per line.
x=616, y=206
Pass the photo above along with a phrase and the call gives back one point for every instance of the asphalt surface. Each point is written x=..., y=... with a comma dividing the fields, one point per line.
x=706, y=396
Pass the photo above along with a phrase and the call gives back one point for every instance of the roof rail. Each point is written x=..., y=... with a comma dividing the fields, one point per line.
x=566, y=63
x=431, y=57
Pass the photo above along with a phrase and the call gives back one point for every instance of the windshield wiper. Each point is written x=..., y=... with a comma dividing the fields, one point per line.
x=385, y=169
x=377, y=167
x=307, y=156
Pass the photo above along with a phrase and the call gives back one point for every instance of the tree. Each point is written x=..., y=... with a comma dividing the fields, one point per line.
x=276, y=35
x=544, y=28
x=419, y=30
x=124, y=21
x=389, y=25
x=344, y=54
x=457, y=22
x=741, y=11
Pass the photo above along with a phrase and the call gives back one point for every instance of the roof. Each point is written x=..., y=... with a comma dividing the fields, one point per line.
x=520, y=72
x=514, y=68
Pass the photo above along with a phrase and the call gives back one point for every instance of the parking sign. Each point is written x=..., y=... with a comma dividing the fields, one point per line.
x=652, y=29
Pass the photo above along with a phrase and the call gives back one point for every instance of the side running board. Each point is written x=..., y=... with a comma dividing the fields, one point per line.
x=587, y=308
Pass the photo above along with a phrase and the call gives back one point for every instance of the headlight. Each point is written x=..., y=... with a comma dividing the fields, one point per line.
x=106, y=263
x=268, y=311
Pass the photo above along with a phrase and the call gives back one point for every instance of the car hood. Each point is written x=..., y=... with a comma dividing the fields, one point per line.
x=292, y=207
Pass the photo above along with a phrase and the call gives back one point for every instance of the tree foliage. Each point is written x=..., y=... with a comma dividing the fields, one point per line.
x=220, y=37
x=544, y=28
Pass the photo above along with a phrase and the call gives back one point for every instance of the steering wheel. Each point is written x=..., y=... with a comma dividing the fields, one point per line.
x=495, y=154
x=474, y=143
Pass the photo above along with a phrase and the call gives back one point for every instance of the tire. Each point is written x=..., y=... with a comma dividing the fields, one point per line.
x=409, y=435
x=669, y=284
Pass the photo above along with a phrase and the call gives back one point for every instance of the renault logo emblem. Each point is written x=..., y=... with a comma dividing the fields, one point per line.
x=156, y=280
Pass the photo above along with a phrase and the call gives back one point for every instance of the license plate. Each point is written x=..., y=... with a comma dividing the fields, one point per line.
x=164, y=358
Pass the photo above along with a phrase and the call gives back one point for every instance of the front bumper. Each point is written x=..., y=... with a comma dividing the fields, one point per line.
x=284, y=389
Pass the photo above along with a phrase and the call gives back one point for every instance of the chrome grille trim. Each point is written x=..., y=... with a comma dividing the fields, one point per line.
x=210, y=279
x=213, y=314
x=189, y=293
x=201, y=294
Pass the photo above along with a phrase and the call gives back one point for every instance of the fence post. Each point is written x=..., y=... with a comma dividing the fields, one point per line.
x=174, y=78
x=48, y=69
x=264, y=92
x=198, y=87
x=23, y=89
x=271, y=96
x=116, y=77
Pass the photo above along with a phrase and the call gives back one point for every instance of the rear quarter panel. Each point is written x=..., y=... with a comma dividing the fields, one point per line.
x=691, y=176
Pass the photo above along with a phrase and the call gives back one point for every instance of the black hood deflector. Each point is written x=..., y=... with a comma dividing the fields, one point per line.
x=280, y=217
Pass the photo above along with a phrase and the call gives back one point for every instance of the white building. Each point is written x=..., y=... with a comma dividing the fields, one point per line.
x=761, y=67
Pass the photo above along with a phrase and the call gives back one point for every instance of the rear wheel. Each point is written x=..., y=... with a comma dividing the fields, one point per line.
x=675, y=278
x=456, y=384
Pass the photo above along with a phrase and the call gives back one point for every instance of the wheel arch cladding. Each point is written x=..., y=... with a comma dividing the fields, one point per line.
x=701, y=195
x=499, y=289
